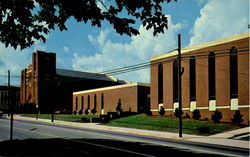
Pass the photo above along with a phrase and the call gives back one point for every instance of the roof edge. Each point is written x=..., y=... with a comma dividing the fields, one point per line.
x=112, y=87
x=202, y=45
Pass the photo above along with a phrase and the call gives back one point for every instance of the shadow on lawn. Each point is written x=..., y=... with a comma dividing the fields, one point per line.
x=86, y=148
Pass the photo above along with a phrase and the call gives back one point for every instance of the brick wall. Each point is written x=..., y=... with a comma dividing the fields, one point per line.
x=222, y=80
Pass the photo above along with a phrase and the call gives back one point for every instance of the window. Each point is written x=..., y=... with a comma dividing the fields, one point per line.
x=233, y=73
x=82, y=102
x=211, y=74
x=76, y=103
x=160, y=83
x=88, y=102
x=175, y=81
x=95, y=101
x=102, y=101
x=192, y=79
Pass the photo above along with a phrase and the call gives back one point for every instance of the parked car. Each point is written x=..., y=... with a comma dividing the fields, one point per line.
x=1, y=114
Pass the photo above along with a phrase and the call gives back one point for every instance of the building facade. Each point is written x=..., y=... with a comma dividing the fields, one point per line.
x=51, y=89
x=133, y=97
x=215, y=77
x=9, y=96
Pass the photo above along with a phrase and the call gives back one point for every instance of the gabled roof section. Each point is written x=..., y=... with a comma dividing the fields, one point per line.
x=87, y=75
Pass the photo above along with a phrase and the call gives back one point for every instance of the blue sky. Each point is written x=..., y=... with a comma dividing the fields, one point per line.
x=86, y=48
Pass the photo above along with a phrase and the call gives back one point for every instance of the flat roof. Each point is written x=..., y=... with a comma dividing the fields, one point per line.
x=113, y=87
x=88, y=75
x=203, y=45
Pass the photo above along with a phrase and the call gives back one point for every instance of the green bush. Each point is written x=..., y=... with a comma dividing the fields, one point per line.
x=86, y=111
x=93, y=111
x=178, y=113
x=162, y=111
x=237, y=118
x=196, y=114
x=217, y=116
x=80, y=112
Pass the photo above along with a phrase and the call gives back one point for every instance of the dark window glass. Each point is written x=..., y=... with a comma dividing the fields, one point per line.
x=175, y=81
x=192, y=78
x=82, y=102
x=76, y=103
x=160, y=83
x=233, y=73
x=102, y=101
x=211, y=74
x=88, y=102
x=95, y=101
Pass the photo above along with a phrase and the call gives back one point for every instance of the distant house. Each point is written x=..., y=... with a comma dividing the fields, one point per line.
x=6, y=97
x=132, y=97
x=51, y=88
x=215, y=77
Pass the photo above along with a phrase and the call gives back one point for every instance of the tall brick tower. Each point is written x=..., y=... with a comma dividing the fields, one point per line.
x=36, y=80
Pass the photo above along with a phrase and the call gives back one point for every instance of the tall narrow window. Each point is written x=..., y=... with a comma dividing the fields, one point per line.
x=192, y=78
x=82, y=102
x=95, y=101
x=88, y=102
x=160, y=83
x=102, y=101
x=175, y=81
x=233, y=73
x=76, y=103
x=211, y=74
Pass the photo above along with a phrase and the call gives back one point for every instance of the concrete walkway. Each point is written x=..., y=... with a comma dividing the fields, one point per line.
x=228, y=139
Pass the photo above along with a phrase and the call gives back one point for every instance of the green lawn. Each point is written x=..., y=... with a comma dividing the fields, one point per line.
x=142, y=121
x=63, y=117
x=170, y=124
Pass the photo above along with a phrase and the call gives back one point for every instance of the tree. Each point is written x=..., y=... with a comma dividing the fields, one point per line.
x=25, y=21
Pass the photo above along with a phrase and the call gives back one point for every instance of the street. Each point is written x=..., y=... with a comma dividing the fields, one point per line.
x=42, y=139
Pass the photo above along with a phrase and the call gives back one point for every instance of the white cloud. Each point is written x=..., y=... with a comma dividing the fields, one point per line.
x=65, y=49
x=16, y=60
x=220, y=18
x=114, y=54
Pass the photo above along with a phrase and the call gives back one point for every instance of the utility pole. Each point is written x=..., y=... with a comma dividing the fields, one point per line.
x=10, y=107
x=179, y=85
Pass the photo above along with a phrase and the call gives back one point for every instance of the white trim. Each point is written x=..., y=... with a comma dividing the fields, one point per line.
x=111, y=87
x=234, y=104
x=244, y=106
x=169, y=109
x=221, y=107
x=212, y=105
x=192, y=105
x=176, y=105
x=160, y=105
x=154, y=110
x=202, y=108
x=186, y=109
x=203, y=45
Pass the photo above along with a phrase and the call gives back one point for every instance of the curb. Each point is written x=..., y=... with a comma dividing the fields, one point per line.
x=187, y=139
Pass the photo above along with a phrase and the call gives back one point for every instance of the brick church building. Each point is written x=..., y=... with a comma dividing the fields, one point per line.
x=51, y=89
x=215, y=77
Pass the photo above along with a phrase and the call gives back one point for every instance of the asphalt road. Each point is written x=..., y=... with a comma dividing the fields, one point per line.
x=42, y=139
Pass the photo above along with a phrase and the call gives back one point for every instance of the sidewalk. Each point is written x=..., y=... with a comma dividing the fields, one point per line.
x=223, y=139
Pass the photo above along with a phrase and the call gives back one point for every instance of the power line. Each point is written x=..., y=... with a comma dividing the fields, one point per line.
x=140, y=66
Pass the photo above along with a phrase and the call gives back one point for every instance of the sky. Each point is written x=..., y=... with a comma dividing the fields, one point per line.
x=93, y=49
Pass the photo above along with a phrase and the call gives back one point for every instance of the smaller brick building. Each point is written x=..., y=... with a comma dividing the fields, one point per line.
x=133, y=97
x=51, y=88
x=4, y=96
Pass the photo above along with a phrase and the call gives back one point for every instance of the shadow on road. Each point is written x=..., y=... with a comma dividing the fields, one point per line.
x=87, y=148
